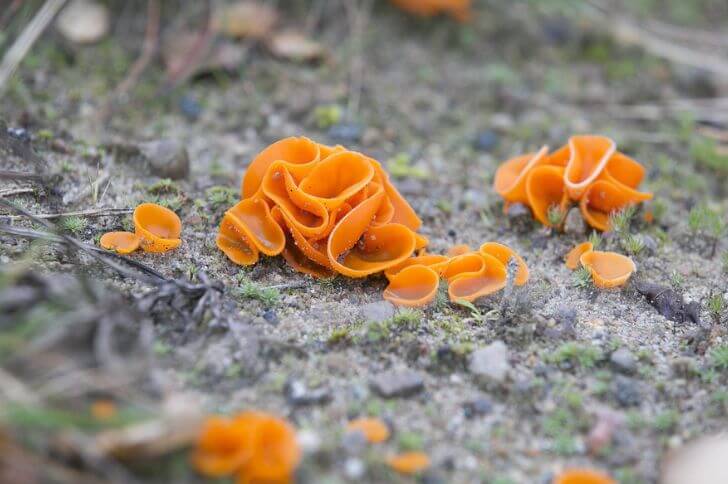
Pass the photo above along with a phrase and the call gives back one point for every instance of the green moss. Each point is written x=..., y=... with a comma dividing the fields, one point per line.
x=705, y=152
x=584, y=355
x=73, y=224
x=221, y=197
x=327, y=116
x=719, y=357
x=666, y=421
x=582, y=278
x=164, y=186
x=250, y=290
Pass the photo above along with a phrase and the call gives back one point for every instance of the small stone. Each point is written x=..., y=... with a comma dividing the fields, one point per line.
x=490, y=363
x=626, y=391
x=354, y=443
x=299, y=394
x=623, y=360
x=478, y=407
x=486, y=140
x=377, y=311
x=190, y=107
x=650, y=244
x=574, y=223
x=345, y=132
x=167, y=158
x=557, y=30
x=271, y=317
x=398, y=383
x=83, y=22
x=309, y=441
x=518, y=210
x=354, y=468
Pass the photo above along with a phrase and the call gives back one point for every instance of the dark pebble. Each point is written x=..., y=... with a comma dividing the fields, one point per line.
x=190, y=107
x=299, y=394
x=626, y=391
x=19, y=134
x=668, y=303
x=486, y=140
x=271, y=316
x=557, y=30
x=345, y=133
x=477, y=407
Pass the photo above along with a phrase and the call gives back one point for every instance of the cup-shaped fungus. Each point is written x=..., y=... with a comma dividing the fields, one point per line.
x=409, y=462
x=374, y=429
x=460, y=10
x=158, y=227
x=608, y=269
x=504, y=254
x=510, y=177
x=412, y=286
x=600, y=200
x=582, y=476
x=589, y=155
x=545, y=192
x=223, y=447
x=573, y=258
x=492, y=277
x=120, y=242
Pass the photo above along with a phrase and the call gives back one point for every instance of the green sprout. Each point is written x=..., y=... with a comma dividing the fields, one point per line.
x=269, y=296
x=621, y=220
x=165, y=186
x=595, y=239
x=327, y=116
x=634, y=244
x=719, y=357
x=400, y=166
x=74, y=224
x=716, y=306
x=219, y=196
x=582, y=278
x=709, y=223
x=555, y=215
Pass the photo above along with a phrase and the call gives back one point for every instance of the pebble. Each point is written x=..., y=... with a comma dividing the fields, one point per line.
x=190, y=107
x=491, y=363
x=650, y=244
x=271, y=316
x=167, y=158
x=574, y=223
x=354, y=443
x=486, y=140
x=398, y=383
x=299, y=394
x=345, y=132
x=623, y=360
x=377, y=311
x=354, y=468
x=83, y=22
x=477, y=407
x=626, y=391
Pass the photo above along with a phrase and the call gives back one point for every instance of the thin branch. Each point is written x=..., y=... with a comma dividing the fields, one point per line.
x=17, y=52
x=102, y=212
x=20, y=175
x=16, y=191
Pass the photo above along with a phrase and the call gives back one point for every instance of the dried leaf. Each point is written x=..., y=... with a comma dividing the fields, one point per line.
x=178, y=47
x=245, y=20
x=295, y=46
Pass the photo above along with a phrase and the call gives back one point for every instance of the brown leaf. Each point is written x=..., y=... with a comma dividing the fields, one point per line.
x=178, y=47
x=295, y=46
x=245, y=20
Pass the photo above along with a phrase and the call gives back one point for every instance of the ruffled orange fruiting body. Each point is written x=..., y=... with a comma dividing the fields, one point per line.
x=470, y=276
x=326, y=209
x=409, y=462
x=587, y=170
x=582, y=476
x=373, y=429
x=573, y=258
x=608, y=269
x=459, y=249
x=103, y=409
x=120, y=242
x=458, y=9
x=158, y=227
x=256, y=446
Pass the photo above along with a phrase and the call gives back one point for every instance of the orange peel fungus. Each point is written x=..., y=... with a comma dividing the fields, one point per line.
x=327, y=210
x=374, y=429
x=255, y=446
x=120, y=242
x=582, y=476
x=409, y=462
x=588, y=171
x=608, y=269
x=460, y=10
x=158, y=227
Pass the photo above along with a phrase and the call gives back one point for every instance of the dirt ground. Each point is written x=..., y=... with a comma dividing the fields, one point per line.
x=445, y=103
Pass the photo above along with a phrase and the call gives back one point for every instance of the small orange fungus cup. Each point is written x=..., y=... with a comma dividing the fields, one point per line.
x=255, y=446
x=409, y=463
x=373, y=429
x=608, y=269
x=120, y=242
x=582, y=476
x=460, y=10
x=158, y=227
x=588, y=171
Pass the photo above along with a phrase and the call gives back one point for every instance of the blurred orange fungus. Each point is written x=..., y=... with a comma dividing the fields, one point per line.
x=255, y=446
x=582, y=476
x=458, y=9
x=329, y=210
x=588, y=170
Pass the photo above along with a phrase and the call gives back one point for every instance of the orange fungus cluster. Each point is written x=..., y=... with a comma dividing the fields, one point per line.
x=326, y=209
x=588, y=170
x=470, y=274
x=156, y=229
x=458, y=9
x=608, y=269
x=254, y=446
x=582, y=476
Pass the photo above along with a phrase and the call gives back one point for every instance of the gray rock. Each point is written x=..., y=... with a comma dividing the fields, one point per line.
x=650, y=244
x=167, y=158
x=397, y=383
x=517, y=211
x=626, y=391
x=477, y=407
x=354, y=468
x=491, y=363
x=377, y=311
x=574, y=223
x=623, y=360
x=299, y=394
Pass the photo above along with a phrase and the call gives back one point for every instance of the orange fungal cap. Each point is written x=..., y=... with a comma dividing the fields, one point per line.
x=582, y=476
x=413, y=286
x=504, y=253
x=471, y=286
x=252, y=218
x=434, y=261
x=409, y=462
x=223, y=447
x=608, y=269
x=600, y=200
x=573, y=257
x=275, y=452
x=158, y=227
x=545, y=189
x=510, y=177
x=589, y=155
x=120, y=242
x=298, y=153
x=374, y=429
